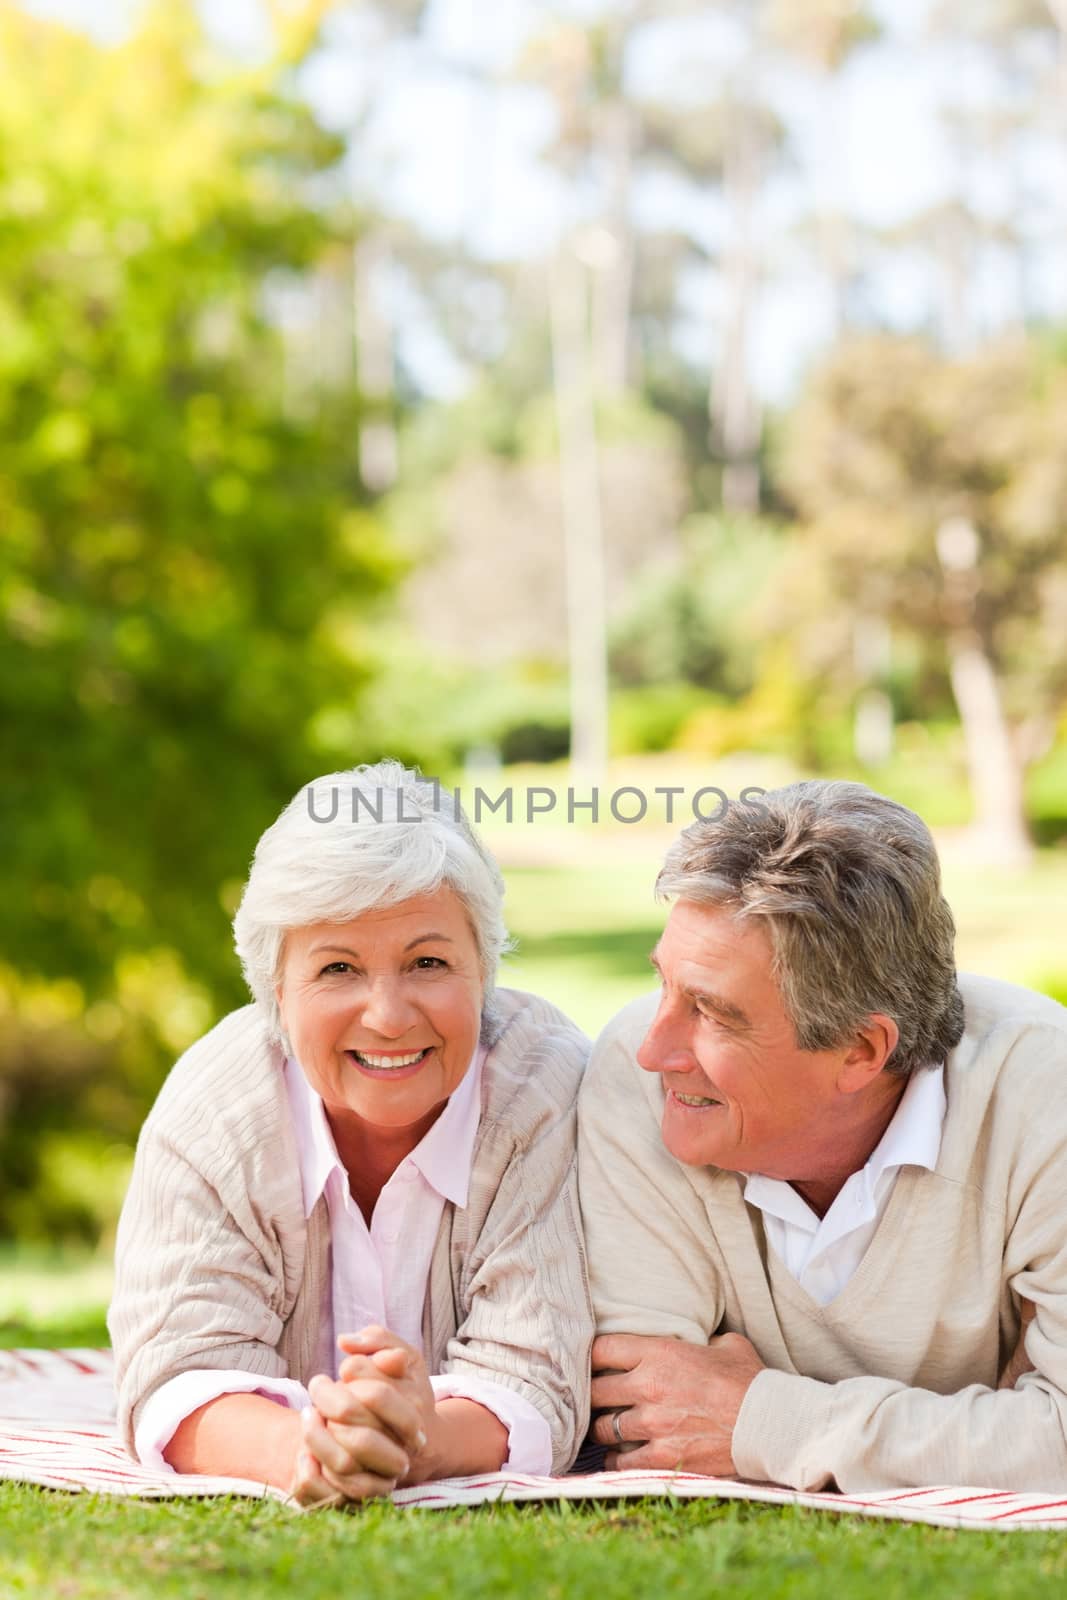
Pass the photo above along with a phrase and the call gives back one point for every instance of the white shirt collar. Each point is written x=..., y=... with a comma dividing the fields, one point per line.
x=443, y=1155
x=912, y=1139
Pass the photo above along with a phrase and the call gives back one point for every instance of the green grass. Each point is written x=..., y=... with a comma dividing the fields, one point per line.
x=94, y=1549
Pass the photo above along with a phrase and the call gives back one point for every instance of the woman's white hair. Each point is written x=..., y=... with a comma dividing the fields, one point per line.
x=351, y=842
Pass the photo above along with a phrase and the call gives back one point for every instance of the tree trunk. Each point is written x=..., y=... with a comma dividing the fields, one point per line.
x=872, y=725
x=993, y=762
x=374, y=365
x=582, y=524
x=613, y=283
x=1059, y=13
x=734, y=407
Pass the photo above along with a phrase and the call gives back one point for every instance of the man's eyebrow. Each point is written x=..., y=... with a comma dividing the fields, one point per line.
x=725, y=1008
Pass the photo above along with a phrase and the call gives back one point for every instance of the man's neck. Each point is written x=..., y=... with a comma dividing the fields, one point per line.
x=851, y=1154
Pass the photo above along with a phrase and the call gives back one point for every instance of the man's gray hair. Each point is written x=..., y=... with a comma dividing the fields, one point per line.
x=849, y=886
x=355, y=841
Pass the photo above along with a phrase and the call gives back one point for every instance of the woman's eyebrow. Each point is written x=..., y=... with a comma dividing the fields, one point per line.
x=425, y=938
x=345, y=950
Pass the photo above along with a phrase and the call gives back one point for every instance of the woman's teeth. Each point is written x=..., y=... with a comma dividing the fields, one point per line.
x=695, y=1099
x=384, y=1063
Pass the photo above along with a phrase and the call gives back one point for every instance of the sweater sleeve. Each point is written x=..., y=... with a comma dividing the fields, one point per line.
x=525, y=1319
x=651, y=1270
x=196, y=1286
x=873, y=1433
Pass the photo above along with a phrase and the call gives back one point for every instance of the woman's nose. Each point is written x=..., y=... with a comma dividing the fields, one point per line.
x=386, y=1010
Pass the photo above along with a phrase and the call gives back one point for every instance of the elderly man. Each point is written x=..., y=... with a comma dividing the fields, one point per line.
x=822, y=1180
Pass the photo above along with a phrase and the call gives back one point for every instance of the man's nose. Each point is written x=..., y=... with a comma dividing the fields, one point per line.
x=665, y=1047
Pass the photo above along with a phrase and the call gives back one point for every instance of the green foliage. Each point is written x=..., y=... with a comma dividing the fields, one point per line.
x=185, y=568
x=696, y=620
x=650, y=717
x=433, y=711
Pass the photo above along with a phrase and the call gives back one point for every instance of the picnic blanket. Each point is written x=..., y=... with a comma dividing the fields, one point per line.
x=57, y=1429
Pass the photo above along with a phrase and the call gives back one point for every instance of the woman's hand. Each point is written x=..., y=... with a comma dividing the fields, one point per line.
x=389, y=1379
x=458, y=1435
x=353, y=1442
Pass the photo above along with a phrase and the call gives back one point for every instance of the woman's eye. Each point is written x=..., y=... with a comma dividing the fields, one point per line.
x=430, y=963
x=336, y=966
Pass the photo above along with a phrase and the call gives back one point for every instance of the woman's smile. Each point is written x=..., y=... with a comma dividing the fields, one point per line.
x=386, y=1064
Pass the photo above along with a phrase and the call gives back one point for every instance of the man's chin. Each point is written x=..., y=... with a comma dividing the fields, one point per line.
x=690, y=1148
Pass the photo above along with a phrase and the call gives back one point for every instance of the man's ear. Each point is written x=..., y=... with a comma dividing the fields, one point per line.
x=868, y=1053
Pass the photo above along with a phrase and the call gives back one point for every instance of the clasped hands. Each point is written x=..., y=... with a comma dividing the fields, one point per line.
x=372, y=1429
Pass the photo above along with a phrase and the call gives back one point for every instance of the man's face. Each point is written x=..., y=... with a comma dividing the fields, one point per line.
x=739, y=1093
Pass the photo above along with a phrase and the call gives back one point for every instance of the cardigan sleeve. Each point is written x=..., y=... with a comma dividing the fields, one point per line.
x=200, y=1279
x=525, y=1319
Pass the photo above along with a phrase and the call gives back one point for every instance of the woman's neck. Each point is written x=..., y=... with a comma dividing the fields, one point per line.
x=370, y=1155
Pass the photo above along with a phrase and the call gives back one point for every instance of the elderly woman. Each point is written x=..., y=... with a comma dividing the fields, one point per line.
x=351, y=1255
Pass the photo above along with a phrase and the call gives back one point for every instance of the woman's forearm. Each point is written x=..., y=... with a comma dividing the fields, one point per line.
x=238, y=1436
x=467, y=1439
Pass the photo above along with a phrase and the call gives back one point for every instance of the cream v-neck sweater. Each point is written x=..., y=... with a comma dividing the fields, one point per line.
x=893, y=1383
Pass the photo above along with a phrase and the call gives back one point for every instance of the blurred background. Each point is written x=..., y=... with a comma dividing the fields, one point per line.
x=572, y=393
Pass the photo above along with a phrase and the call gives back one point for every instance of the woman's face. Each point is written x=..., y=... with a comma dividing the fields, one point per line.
x=383, y=1013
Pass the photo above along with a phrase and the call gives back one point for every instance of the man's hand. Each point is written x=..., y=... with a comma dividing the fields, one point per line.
x=1019, y=1361
x=681, y=1400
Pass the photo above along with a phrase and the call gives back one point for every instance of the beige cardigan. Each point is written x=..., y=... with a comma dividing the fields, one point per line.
x=893, y=1384
x=217, y=1265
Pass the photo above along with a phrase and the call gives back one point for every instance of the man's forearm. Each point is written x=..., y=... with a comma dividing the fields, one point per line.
x=873, y=1433
x=238, y=1436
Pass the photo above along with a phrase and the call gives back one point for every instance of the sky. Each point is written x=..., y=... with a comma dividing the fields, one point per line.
x=465, y=163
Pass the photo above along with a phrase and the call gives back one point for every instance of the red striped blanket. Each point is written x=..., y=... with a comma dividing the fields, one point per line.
x=57, y=1429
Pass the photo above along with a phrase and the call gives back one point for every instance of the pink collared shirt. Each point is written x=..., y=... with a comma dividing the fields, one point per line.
x=378, y=1274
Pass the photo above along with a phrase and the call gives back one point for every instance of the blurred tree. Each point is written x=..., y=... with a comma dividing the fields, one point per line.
x=726, y=142
x=934, y=494
x=822, y=35
x=184, y=561
x=1017, y=51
